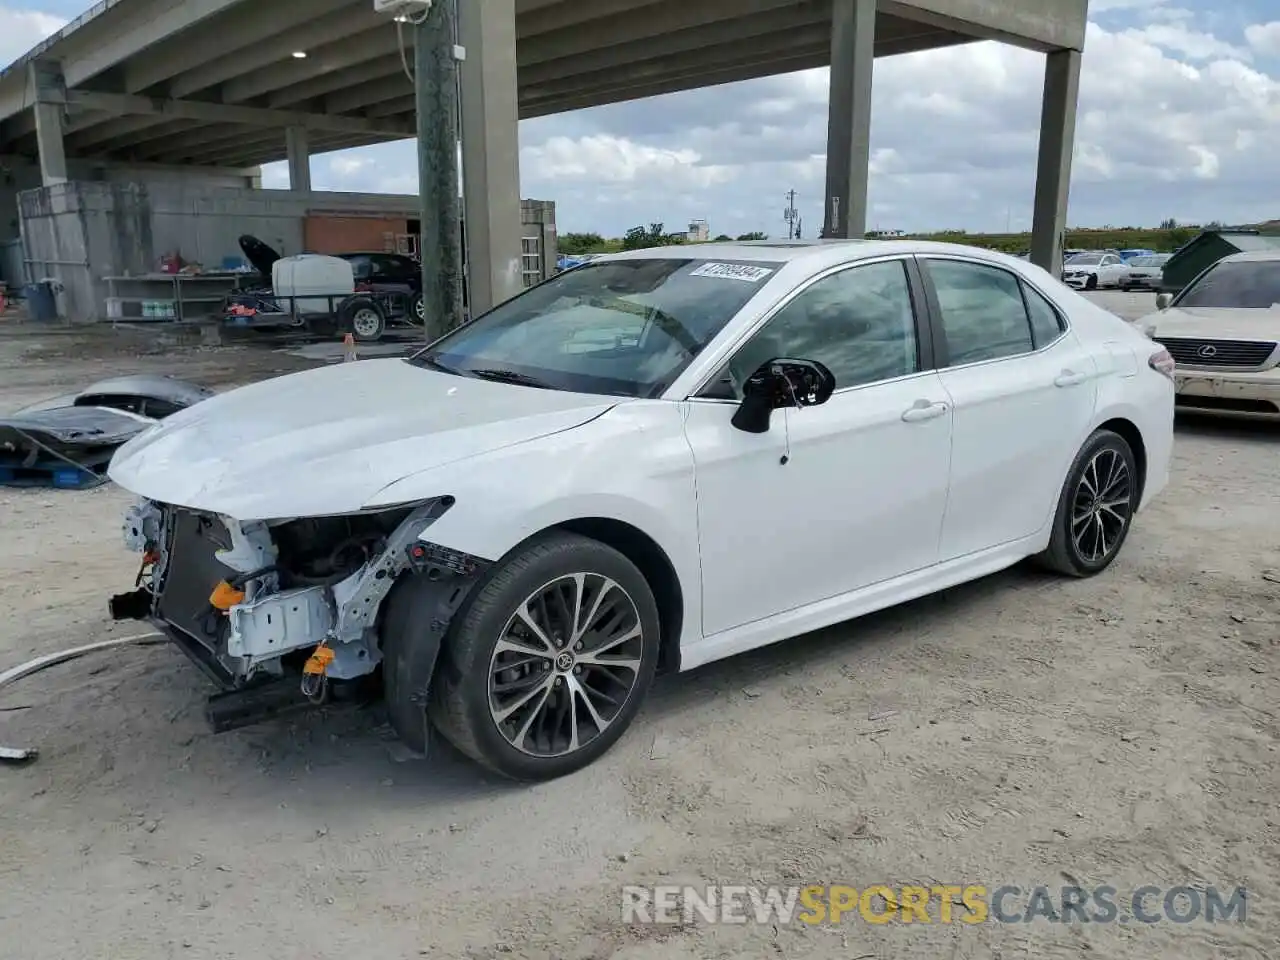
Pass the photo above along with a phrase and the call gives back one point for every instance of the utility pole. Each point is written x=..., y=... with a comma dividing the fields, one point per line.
x=789, y=215
x=436, y=93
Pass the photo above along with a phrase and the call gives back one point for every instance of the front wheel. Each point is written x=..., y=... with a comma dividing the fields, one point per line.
x=417, y=311
x=549, y=664
x=1095, y=509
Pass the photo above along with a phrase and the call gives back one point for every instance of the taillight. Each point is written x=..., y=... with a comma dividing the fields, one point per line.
x=363, y=287
x=1162, y=362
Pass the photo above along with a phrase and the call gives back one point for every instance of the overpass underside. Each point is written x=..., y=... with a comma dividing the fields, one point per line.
x=222, y=83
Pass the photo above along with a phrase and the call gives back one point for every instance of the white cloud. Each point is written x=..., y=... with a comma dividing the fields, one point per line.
x=1264, y=38
x=22, y=29
x=346, y=165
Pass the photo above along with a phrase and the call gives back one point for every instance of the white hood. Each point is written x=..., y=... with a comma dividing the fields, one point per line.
x=326, y=441
x=1211, y=323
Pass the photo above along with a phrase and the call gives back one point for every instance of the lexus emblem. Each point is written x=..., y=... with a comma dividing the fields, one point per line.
x=1207, y=351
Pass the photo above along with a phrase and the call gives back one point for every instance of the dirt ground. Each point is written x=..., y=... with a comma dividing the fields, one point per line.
x=1020, y=730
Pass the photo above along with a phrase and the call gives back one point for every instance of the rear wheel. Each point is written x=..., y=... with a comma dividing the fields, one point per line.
x=1095, y=509
x=549, y=664
x=417, y=311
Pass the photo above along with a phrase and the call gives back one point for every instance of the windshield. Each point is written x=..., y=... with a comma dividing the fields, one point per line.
x=1085, y=259
x=1148, y=261
x=621, y=327
x=1245, y=284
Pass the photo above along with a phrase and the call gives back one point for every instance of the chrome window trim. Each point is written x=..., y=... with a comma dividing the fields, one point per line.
x=786, y=301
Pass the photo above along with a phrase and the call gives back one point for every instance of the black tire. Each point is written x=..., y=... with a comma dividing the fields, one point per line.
x=461, y=695
x=416, y=315
x=363, y=318
x=1091, y=283
x=1069, y=554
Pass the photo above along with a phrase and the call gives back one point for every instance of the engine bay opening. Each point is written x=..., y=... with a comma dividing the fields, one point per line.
x=322, y=551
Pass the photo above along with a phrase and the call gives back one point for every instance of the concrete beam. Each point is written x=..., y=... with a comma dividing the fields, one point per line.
x=128, y=130
x=367, y=94
x=286, y=71
x=1053, y=173
x=1036, y=24
x=377, y=69
x=853, y=32
x=314, y=36
x=736, y=73
x=776, y=46
x=152, y=25
x=298, y=152
x=204, y=136
x=693, y=39
x=250, y=154
x=242, y=142
x=491, y=152
x=393, y=108
x=238, y=28
x=650, y=22
x=46, y=81
x=224, y=113
x=552, y=17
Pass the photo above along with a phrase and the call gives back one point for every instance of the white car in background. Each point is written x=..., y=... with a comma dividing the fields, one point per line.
x=1223, y=330
x=1145, y=272
x=647, y=463
x=1094, y=271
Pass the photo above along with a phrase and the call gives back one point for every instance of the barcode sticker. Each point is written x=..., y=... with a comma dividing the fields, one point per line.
x=732, y=271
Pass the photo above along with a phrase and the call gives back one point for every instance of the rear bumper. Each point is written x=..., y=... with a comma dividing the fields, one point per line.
x=1254, y=396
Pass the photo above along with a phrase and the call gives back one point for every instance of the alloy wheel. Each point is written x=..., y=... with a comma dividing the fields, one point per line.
x=1102, y=506
x=565, y=665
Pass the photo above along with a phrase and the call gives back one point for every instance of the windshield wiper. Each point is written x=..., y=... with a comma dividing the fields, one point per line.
x=422, y=360
x=511, y=376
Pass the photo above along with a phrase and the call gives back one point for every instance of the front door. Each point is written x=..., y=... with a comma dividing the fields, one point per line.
x=834, y=497
x=1023, y=389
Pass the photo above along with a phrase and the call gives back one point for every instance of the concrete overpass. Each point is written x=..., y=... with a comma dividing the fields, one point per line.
x=237, y=83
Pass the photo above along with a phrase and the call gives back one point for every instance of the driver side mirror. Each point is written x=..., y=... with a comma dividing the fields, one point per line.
x=781, y=383
x=1163, y=300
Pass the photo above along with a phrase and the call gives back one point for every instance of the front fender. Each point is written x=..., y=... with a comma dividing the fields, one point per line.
x=632, y=464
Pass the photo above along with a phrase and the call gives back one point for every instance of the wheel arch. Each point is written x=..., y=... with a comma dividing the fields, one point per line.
x=1127, y=429
x=652, y=562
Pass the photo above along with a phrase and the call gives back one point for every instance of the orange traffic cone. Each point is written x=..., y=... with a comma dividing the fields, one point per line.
x=349, y=348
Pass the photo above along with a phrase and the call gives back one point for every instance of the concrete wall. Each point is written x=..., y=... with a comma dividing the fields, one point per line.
x=20, y=173
x=79, y=233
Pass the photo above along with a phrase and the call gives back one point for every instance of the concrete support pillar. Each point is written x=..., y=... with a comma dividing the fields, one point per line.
x=853, y=29
x=50, y=103
x=298, y=145
x=490, y=152
x=1053, y=173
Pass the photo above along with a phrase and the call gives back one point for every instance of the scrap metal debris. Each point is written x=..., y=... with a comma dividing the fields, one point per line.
x=68, y=442
x=25, y=754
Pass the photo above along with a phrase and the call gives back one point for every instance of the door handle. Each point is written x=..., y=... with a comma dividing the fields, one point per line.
x=1069, y=378
x=924, y=410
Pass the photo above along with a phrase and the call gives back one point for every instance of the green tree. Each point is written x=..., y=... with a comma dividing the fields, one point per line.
x=753, y=236
x=724, y=238
x=575, y=243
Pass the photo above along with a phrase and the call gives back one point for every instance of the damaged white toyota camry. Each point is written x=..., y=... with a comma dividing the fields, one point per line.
x=644, y=464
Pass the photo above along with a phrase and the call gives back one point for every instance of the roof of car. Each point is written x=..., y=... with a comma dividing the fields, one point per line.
x=1271, y=253
x=791, y=251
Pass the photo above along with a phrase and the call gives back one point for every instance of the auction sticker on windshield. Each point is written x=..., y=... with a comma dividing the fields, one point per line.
x=732, y=271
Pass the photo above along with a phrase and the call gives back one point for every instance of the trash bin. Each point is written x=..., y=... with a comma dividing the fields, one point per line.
x=41, y=303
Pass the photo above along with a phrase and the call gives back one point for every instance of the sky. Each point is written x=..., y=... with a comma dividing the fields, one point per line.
x=1179, y=117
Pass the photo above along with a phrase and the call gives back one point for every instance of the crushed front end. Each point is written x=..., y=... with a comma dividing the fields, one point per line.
x=293, y=600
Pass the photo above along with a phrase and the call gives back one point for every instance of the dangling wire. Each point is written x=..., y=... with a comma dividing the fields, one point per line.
x=786, y=422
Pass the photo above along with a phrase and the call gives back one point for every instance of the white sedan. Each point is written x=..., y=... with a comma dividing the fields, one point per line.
x=653, y=461
x=1094, y=271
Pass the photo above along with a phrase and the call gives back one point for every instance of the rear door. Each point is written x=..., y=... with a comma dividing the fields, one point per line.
x=1022, y=388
